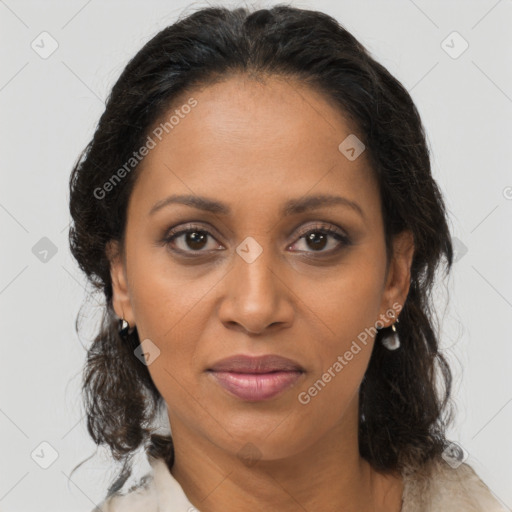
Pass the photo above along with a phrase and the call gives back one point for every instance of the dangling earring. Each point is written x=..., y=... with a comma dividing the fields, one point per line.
x=391, y=340
x=124, y=329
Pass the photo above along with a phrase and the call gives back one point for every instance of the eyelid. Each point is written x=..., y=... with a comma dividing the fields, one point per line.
x=323, y=226
x=190, y=226
x=343, y=238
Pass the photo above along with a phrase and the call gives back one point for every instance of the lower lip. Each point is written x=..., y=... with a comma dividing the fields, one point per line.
x=256, y=386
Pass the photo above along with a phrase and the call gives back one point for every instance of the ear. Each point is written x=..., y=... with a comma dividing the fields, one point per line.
x=399, y=276
x=120, y=294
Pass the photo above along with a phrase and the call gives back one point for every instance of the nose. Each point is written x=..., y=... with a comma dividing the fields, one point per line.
x=255, y=295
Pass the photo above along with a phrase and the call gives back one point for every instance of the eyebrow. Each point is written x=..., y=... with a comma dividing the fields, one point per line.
x=290, y=207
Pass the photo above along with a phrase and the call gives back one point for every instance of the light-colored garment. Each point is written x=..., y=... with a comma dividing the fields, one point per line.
x=437, y=487
x=440, y=488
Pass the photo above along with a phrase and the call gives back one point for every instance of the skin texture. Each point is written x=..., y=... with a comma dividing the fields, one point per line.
x=254, y=144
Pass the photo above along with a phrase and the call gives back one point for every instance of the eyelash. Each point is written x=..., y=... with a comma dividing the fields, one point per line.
x=324, y=229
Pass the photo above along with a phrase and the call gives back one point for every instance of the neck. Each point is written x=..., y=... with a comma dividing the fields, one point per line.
x=328, y=475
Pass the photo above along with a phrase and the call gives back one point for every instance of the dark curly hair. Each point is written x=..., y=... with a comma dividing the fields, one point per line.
x=404, y=396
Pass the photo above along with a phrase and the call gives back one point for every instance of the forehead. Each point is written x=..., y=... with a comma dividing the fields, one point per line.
x=268, y=138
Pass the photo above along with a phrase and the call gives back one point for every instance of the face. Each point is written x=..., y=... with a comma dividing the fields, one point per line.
x=257, y=273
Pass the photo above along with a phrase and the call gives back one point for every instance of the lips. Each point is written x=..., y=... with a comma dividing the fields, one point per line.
x=256, y=378
x=261, y=364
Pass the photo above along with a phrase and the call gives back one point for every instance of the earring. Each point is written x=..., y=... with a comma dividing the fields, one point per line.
x=391, y=340
x=124, y=329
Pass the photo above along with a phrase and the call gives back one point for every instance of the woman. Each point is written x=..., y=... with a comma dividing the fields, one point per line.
x=258, y=208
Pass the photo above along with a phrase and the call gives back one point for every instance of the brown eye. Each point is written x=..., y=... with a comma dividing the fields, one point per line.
x=318, y=239
x=190, y=240
x=195, y=239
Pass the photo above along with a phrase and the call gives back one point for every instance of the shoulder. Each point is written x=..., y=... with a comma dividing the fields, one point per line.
x=157, y=490
x=140, y=498
x=439, y=486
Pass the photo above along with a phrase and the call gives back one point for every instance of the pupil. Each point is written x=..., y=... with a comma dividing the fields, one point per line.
x=313, y=237
x=195, y=238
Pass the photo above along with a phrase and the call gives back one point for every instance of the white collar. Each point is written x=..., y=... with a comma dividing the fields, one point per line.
x=436, y=487
x=169, y=493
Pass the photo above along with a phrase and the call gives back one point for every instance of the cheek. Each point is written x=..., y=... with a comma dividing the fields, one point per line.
x=348, y=307
x=343, y=356
x=177, y=369
x=346, y=301
x=170, y=311
x=164, y=294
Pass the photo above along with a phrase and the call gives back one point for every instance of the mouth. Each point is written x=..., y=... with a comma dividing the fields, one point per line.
x=256, y=378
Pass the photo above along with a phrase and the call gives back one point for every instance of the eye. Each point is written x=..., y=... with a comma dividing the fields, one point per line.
x=317, y=239
x=191, y=239
x=196, y=239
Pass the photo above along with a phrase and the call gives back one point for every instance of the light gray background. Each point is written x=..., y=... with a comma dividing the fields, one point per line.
x=49, y=109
